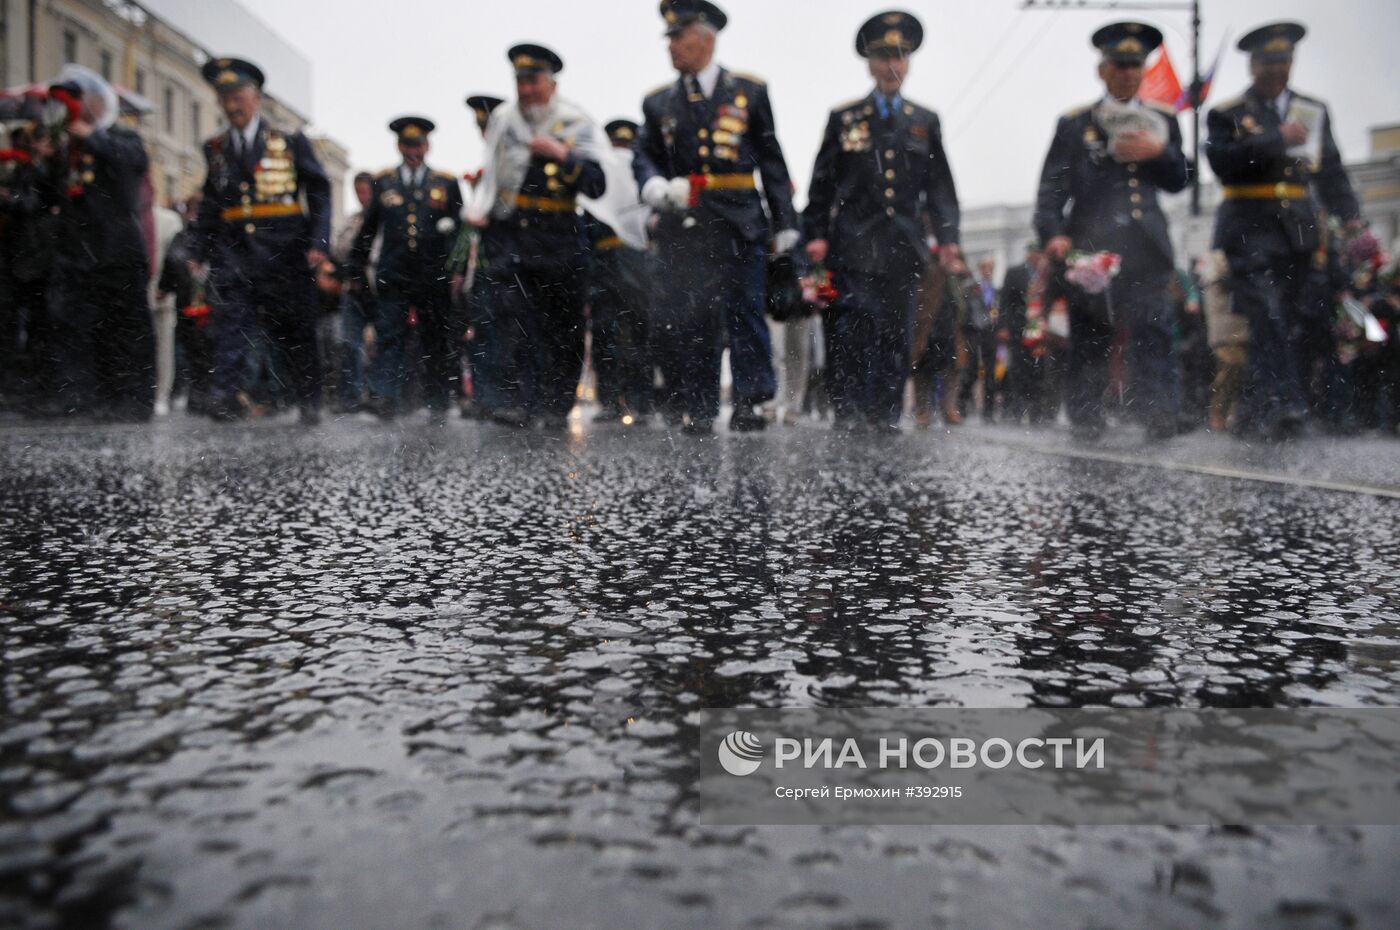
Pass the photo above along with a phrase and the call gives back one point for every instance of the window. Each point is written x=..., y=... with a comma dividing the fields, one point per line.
x=196, y=121
x=106, y=65
x=169, y=110
x=140, y=87
x=70, y=46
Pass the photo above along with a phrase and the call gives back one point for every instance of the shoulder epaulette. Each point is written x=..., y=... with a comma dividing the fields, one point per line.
x=745, y=76
x=1230, y=103
x=384, y=173
x=848, y=105
x=656, y=90
x=445, y=175
x=1077, y=111
x=1308, y=97
x=1163, y=108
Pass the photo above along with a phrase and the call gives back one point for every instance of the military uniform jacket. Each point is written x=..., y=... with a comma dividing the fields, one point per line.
x=1245, y=148
x=545, y=230
x=1112, y=206
x=97, y=195
x=731, y=133
x=262, y=212
x=419, y=223
x=878, y=184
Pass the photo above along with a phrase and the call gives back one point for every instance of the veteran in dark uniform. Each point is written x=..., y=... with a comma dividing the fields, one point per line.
x=1098, y=192
x=541, y=157
x=102, y=341
x=620, y=281
x=881, y=178
x=1273, y=151
x=702, y=139
x=263, y=226
x=418, y=211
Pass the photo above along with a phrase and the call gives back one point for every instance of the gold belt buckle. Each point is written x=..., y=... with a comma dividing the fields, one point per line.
x=1281, y=190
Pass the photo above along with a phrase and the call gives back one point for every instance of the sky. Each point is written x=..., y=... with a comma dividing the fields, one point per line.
x=998, y=75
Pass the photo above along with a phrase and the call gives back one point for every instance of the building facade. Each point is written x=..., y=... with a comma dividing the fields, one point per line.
x=138, y=50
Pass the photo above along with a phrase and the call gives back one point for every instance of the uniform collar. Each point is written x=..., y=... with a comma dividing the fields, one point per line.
x=708, y=78
x=413, y=178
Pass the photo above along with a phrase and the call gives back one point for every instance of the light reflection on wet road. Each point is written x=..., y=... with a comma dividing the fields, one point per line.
x=362, y=677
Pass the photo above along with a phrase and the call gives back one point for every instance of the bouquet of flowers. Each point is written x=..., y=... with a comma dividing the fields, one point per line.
x=818, y=290
x=1092, y=273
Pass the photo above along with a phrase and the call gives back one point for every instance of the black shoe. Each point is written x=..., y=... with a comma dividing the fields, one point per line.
x=745, y=420
x=698, y=426
x=382, y=407
x=511, y=416
x=1086, y=432
x=309, y=416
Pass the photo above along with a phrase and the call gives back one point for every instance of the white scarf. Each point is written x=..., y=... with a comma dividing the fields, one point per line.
x=508, y=136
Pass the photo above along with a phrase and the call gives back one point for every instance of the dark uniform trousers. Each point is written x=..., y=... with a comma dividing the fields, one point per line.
x=712, y=269
x=540, y=335
x=619, y=282
x=102, y=340
x=1138, y=299
x=881, y=179
x=1113, y=206
x=430, y=302
x=712, y=285
x=254, y=234
x=1268, y=228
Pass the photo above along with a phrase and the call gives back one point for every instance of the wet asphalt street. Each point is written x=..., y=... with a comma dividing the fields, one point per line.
x=395, y=677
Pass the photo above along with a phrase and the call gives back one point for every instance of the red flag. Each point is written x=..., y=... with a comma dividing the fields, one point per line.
x=1159, y=82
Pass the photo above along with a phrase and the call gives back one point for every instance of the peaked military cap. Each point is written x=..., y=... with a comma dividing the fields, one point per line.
x=682, y=13
x=891, y=33
x=1273, y=42
x=621, y=131
x=231, y=74
x=412, y=129
x=1127, y=43
x=483, y=104
x=529, y=59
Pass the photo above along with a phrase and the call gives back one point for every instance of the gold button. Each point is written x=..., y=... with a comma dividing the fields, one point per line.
x=889, y=193
x=413, y=246
x=1132, y=182
x=1137, y=214
x=704, y=150
x=706, y=169
x=889, y=173
x=1136, y=198
x=1288, y=172
x=889, y=211
x=247, y=200
x=250, y=229
x=412, y=218
x=703, y=133
x=1285, y=204
x=889, y=153
x=551, y=169
x=1132, y=168
x=243, y=186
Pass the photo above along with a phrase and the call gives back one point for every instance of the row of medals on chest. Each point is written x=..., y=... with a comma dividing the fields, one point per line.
x=275, y=175
x=855, y=134
x=722, y=140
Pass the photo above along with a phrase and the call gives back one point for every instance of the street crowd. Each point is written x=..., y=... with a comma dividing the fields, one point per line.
x=649, y=252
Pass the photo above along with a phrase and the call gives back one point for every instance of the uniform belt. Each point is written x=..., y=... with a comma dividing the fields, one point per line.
x=545, y=204
x=1279, y=191
x=608, y=244
x=260, y=211
x=723, y=182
